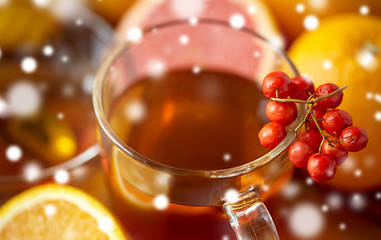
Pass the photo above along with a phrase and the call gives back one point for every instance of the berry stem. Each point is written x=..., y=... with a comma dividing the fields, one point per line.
x=290, y=100
x=309, y=101
x=321, y=144
x=309, y=110
x=329, y=95
x=325, y=137
x=304, y=120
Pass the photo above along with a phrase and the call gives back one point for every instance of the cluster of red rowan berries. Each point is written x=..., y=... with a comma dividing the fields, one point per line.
x=326, y=134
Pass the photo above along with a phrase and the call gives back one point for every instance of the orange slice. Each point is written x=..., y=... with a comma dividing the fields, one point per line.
x=54, y=211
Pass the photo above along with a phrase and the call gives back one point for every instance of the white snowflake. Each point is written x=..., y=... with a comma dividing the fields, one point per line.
x=60, y=115
x=358, y=173
x=309, y=181
x=31, y=171
x=324, y=208
x=300, y=8
x=311, y=22
x=186, y=8
x=13, y=153
x=335, y=201
x=227, y=157
x=50, y=210
x=41, y=3
x=184, y=39
x=369, y=95
x=196, y=69
x=342, y=226
x=231, y=196
x=378, y=195
x=29, y=64
x=237, y=21
x=252, y=9
x=135, y=111
x=106, y=224
x=367, y=59
x=48, y=50
x=306, y=221
x=61, y=176
x=134, y=34
x=65, y=59
x=357, y=202
x=193, y=20
x=23, y=98
x=79, y=22
x=318, y=4
x=364, y=10
x=291, y=190
x=161, y=202
x=327, y=64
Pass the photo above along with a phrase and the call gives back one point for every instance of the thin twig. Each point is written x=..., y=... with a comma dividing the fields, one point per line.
x=291, y=100
x=329, y=95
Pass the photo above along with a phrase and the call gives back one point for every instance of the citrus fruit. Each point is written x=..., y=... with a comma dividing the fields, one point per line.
x=17, y=31
x=345, y=50
x=56, y=212
x=293, y=14
x=111, y=10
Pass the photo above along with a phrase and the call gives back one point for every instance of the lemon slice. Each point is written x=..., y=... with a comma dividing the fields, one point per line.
x=54, y=211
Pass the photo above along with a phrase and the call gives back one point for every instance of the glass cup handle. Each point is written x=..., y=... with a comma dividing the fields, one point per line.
x=250, y=218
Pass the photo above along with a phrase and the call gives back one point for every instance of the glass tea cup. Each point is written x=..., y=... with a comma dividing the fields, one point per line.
x=49, y=53
x=161, y=200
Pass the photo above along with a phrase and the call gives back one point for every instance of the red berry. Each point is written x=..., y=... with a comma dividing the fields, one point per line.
x=276, y=81
x=354, y=138
x=318, y=112
x=302, y=87
x=313, y=137
x=281, y=112
x=271, y=134
x=331, y=102
x=335, y=120
x=336, y=150
x=321, y=167
x=299, y=153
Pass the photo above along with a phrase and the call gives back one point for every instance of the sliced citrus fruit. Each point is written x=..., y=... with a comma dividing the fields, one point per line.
x=345, y=50
x=128, y=176
x=55, y=211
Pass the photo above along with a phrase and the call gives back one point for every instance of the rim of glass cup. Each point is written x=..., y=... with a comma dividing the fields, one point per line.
x=218, y=173
x=103, y=32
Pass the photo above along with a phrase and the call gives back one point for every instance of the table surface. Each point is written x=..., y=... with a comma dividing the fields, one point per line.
x=308, y=210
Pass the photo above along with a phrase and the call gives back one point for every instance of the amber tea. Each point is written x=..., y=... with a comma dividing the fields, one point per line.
x=201, y=121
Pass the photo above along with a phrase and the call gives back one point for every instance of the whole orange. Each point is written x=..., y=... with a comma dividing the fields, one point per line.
x=346, y=50
x=291, y=14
